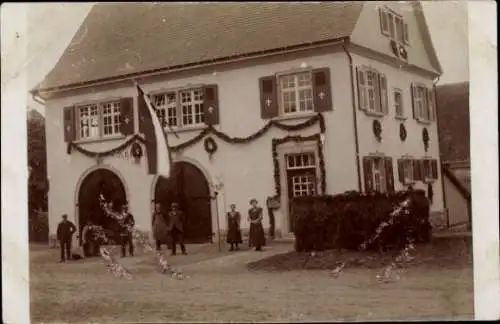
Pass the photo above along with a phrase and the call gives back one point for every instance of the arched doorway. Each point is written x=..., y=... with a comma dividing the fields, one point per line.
x=107, y=183
x=188, y=186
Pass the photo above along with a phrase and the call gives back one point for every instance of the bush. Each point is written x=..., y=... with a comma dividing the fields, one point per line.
x=38, y=224
x=349, y=219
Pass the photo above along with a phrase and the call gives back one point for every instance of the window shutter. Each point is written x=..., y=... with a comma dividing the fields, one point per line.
x=434, y=169
x=389, y=174
x=361, y=78
x=401, y=170
x=127, y=116
x=69, y=124
x=322, y=90
x=413, y=100
x=432, y=104
x=368, y=173
x=376, y=80
x=384, y=100
x=211, y=104
x=406, y=37
x=383, y=22
x=142, y=111
x=268, y=97
x=417, y=170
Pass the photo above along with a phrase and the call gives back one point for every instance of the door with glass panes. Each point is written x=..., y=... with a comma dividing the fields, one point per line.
x=301, y=178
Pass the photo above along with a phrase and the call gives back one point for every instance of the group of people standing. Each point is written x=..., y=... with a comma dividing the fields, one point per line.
x=168, y=229
x=256, y=236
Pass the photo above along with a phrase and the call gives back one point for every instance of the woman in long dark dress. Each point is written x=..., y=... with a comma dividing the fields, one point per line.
x=257, y=237
x=160, y=230
x=233, y=228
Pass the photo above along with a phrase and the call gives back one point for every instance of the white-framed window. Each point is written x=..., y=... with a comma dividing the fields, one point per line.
x=372, y=90
x=296, y=93
x=301, y=169
x=393, y=26
x=181, y=108
x=300, y=161
x=406, y=170
x=98, y=120
x=423, y=103
x=398, y=103
x=378, y=173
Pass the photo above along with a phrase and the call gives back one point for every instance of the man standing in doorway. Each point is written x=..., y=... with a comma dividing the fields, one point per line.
x=65, y=231
x=128, y=222
x=176, y=228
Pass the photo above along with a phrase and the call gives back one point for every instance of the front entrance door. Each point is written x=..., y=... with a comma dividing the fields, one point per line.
x=188, y=187
x=301, y=178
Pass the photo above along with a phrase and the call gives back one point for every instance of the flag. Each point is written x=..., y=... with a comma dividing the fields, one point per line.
x=158, y=151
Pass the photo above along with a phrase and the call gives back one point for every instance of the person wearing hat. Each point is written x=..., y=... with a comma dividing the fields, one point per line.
x=127, y=222
x=65, y=231
x=176, y=228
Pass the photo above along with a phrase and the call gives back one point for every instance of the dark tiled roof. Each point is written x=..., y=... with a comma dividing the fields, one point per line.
x=453, y=114
x=119, y=39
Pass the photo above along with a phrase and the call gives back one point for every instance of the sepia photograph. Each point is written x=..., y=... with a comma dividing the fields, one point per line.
x=247, y=162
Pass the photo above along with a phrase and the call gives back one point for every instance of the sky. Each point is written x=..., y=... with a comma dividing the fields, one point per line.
x=48, y=38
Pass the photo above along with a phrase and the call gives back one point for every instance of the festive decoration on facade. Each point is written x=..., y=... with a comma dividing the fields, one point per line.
x=136, y=151
x=402, y=132
x=206, y=131
x=210, y=146
x=377, y=129
x=425, y=138
x=388, y=274
x=279, y=141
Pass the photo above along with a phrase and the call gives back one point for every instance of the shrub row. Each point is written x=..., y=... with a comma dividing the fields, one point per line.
x=349, y=219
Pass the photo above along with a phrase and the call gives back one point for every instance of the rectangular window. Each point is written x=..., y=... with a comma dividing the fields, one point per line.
x=424, y=104
x=427, y=169
x=296, y=93
x=300, y=161
x=398, y=103
x=180, y=108
x=98, y=120
x=378, y=171
x=372, y=90
x=393, y=26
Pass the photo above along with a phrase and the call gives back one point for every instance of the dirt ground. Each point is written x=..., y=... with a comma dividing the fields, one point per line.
x=221, y=288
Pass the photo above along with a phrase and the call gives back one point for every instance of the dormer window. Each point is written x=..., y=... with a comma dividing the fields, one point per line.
x=393, y=26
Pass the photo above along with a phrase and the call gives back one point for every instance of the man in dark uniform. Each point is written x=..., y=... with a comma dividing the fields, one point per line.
x=126, y=235
x=176, y=228
x=65, y=231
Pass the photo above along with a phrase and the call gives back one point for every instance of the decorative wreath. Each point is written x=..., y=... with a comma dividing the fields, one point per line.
x=136, y=150
x=425, y=138
x=402, y=132
x=377, y=130
x=210, y=145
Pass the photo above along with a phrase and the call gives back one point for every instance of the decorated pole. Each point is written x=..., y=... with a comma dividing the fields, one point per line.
x=216, y=195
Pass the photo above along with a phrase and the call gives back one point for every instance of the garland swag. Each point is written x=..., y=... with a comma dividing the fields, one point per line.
x=209, y=130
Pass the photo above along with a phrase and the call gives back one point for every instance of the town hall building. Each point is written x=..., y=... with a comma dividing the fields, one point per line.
x=259, y=100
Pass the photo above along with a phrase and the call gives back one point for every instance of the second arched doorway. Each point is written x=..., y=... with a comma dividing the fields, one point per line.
x=188, y=187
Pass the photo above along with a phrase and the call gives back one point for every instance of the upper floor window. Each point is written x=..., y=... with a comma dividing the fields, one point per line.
x=398, y=103
x=295, y=93
x=180, y=108
x=378, y=174
x=424, y=106
x=372, y=90
x=98, y=120
x=411, y=170
x=393, y=26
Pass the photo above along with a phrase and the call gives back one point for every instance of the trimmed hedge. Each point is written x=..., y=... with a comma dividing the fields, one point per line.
x=349, y=219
